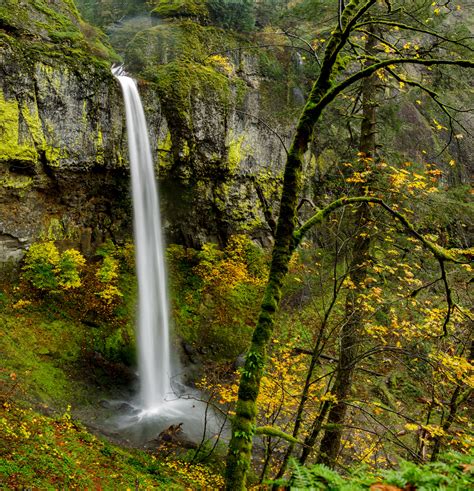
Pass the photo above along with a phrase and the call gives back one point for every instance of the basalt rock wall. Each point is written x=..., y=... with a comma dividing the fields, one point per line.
x=64, y=170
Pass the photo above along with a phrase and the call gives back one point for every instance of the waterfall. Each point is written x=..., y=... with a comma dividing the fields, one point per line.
x=158, y=407
x=153, y=312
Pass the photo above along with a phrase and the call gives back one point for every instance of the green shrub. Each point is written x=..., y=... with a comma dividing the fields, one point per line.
x=233, y=14
x=452, y=472
x=47, y=270
x=70, y=264
x=108, y=273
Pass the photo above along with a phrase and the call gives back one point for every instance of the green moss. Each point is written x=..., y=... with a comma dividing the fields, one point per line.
x=236, y=152
x=181, y=8
x=248, y=409
x=99, y=148
x=118, y=347
x=22, y=136
x=84, y=114
x=165, y=160
x=56, y=230
x=37, y=350
x=45, y=31
x=179, y=81
x=12, y=147
x=165, y=145
x=184, y=40
x=177, y=84
x=16, y=182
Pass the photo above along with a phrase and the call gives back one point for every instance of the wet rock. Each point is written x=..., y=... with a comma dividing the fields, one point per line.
x=172, y=436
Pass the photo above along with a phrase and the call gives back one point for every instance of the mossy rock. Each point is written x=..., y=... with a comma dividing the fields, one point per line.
x=182, y=86
x=181, y=8
x=53, y=29
x=183, y=40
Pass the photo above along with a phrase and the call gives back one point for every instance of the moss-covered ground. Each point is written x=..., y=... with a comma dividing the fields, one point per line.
x=57, y=364
x=43, y=452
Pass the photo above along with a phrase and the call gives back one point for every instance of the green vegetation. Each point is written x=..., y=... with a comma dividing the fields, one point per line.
x=47, y=270
x=52, y=33
x=46, y=452
x=238, y=15
x=48, y=339
x=181, y=8
x=451, y=472
x=215, y=294
x=233, y=14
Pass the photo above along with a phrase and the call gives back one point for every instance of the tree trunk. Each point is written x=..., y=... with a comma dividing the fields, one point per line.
x=349, y=342
x=243, y=423
x=351, y=330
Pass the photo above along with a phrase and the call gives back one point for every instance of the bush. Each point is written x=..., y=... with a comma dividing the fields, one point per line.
x=453, y=471
x=47, y=270
x=233, y=14
x=108, y=274
x=216, y=293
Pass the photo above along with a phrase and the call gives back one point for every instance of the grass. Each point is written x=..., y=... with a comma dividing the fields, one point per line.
x=39, y=352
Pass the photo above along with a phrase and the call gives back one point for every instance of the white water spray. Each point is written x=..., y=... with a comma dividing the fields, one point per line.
x=153, y=312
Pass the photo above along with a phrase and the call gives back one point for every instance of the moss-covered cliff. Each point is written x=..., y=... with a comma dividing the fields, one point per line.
x=221, y=154
x=62, y=166
x=63, y=153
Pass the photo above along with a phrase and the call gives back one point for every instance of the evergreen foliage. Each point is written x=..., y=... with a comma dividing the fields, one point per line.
x=233, y=14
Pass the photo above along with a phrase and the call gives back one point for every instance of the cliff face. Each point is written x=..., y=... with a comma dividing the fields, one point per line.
x=61, y=131
x=62, y=173
x=63, y=159
x=219, y=112
x=221, y=151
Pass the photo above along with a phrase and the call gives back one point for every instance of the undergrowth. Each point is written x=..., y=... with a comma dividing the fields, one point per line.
x=42, y=452
x=453, y=471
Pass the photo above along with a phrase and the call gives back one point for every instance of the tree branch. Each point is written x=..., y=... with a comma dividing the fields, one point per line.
x=272, y=431
x=407, y=27
x=442, y=254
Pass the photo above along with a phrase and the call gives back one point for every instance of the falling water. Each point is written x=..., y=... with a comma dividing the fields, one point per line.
x=158, y=407
x=153, y=313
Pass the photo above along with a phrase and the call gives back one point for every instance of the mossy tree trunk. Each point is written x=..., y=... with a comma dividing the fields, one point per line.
x=243, y=424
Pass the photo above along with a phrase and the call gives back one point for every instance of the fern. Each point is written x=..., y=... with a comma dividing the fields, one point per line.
x=452, y=472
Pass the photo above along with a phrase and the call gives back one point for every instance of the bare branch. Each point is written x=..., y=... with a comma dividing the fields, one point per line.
x=407, y=27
